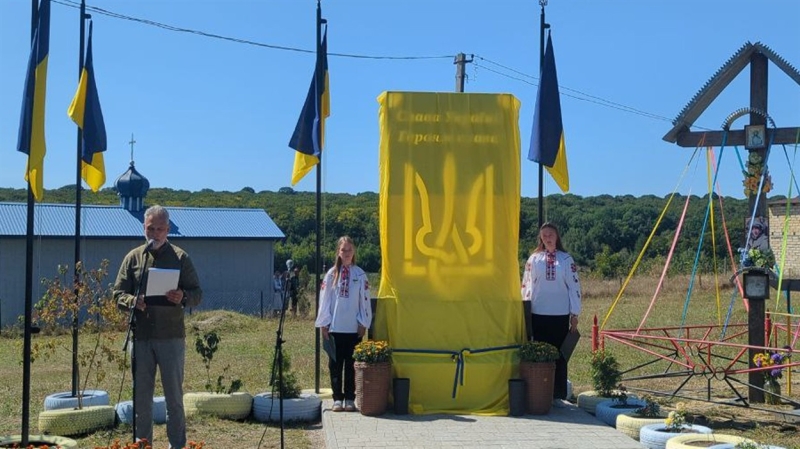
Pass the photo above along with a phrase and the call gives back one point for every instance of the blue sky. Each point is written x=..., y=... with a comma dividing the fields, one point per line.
x=211, y=113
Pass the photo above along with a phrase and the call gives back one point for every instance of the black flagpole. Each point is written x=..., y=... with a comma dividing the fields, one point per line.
x=26, y=345
x=318, y=81
x=542, y=26
x=75, y=371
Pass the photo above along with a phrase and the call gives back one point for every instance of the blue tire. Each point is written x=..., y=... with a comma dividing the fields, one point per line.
x=608, y=410
x=65, y=399
x=125, y=411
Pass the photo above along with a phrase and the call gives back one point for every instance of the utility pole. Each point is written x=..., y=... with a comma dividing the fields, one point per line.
x=461, y=62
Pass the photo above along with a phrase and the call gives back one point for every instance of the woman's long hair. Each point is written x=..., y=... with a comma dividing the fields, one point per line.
x=338, y=265
x=540, y=247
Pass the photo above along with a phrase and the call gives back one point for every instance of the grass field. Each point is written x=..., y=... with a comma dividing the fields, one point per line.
x=248, y=344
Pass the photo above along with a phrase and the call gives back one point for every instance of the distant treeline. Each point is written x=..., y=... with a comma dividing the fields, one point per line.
x=604, y=233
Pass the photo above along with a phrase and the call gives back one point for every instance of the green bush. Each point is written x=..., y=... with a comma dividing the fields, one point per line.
x=605, y=373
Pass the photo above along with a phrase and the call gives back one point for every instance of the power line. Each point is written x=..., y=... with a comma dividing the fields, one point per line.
x=522, y=76
x=583, y=96
x=105, y=12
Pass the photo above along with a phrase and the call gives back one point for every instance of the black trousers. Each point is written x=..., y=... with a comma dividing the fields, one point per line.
x=553, y=329
x=345, y=344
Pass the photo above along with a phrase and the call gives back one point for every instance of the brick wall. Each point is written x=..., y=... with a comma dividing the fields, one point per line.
x=777, y=211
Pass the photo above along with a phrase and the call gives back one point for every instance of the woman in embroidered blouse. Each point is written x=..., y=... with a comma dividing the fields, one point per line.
x=345, y=314
x=550, y=282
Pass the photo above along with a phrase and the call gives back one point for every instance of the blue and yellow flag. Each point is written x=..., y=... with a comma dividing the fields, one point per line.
x=547, y=138
x=85, y=111
x=31, y=126
x=309, y=134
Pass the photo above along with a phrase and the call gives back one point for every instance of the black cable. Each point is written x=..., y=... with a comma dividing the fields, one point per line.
x=584, y=96
x=167, y=27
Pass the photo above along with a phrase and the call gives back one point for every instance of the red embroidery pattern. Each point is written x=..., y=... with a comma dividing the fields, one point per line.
x=550, y=267
x=344, y=283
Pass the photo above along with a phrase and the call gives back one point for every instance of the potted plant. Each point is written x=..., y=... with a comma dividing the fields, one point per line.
x=85, y=303
x=770, y=360
x=373, y=376
x=604, y=370
x=631, y=423
x=220, y=399
x=537, y=367
x=297, y=406
x=655, y=436
x=619, y=403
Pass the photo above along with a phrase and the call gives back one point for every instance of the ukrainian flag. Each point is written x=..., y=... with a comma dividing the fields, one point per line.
x=309, y=132
x=547, y=138
x=31, y=126
x=85, y=111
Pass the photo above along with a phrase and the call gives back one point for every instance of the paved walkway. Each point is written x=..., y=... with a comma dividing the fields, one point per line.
x=565, y=428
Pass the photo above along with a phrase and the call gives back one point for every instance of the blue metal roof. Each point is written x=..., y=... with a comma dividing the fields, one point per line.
x=58, y=220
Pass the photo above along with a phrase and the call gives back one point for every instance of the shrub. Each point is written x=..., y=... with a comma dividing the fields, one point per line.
x=82, y=301
x=651, y=408
x=605, y=373
x=206, y=345
x=288, y=387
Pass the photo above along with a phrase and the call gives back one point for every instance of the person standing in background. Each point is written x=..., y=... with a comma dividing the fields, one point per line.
x=294, y=289
x=550, y=282
x=277, y=293
x=345, y=314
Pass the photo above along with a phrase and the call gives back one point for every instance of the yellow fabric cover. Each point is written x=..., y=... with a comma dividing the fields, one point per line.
x=449, y=299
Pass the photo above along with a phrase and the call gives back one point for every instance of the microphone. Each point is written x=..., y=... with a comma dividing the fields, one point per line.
x=150, y=244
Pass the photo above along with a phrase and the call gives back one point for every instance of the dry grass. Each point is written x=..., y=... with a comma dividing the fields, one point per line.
x=706, y=306
x=248, y=344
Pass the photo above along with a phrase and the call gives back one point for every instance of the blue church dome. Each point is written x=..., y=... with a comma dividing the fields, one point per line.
x=132, y=187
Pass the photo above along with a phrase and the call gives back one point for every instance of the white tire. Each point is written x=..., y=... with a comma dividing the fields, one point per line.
x=653, y=436
x=76, y=421
x=229, y=406
x=305, y=408
x=686, y=441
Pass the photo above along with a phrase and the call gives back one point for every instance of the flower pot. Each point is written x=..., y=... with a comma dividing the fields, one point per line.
x=373, y=381
x=655, y=436
x=539, y=383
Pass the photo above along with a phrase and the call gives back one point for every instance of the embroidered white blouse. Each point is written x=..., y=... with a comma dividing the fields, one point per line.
x=551, y=281
x=346, y=304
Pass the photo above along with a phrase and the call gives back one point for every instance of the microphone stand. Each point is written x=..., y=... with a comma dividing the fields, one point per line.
x=132, y=332
x=277, y=360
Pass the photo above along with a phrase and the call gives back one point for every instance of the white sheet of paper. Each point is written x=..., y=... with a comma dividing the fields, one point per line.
x=161, y=280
